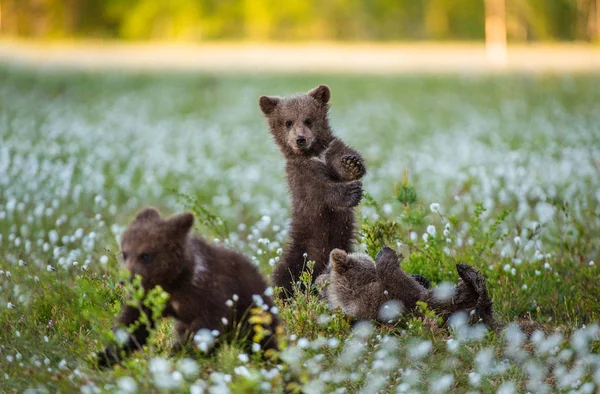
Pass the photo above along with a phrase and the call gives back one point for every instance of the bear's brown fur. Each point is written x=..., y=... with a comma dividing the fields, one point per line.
x=323, y=177
x=360, y=288
x=199, y=277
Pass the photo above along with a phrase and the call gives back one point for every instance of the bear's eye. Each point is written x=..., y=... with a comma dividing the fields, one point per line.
x=146, y=258
x=124, y=256
x=288, y=123
x=308, y=122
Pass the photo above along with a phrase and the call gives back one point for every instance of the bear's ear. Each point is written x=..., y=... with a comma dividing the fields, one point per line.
x=268, y=104
x=181, y=224
x=147, y=214
x=321, y=93
x=337, y=259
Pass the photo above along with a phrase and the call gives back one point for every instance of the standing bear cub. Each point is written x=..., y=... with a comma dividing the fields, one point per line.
x=323, y=177
x=202, y=280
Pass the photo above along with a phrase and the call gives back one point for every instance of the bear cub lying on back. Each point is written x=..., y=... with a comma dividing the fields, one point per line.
x=362, y=288
x=199, y=277
x=323, y=177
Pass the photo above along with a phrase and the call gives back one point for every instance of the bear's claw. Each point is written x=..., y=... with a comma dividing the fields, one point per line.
x=354, y=165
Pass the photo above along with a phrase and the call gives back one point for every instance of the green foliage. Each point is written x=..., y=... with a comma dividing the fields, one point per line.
x=302, y=311
x=204, y=216
x=262, y=20
x=64, y=124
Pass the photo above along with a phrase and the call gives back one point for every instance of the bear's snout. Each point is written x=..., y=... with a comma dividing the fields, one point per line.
x=301, y=141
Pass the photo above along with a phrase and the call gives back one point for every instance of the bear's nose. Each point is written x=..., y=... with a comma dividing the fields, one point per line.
x=300, y=141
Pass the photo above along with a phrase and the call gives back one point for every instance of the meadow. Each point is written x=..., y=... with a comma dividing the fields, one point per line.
x=500, y=171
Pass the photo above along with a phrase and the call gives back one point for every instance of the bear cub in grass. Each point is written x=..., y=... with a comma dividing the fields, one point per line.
x=199, y=277
x=323, y=177
x=364, y=289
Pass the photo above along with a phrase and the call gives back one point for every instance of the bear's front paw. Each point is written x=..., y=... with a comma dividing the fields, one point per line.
x=423, y=281
x=354, y=166
x=473, y=278
x=386, y=252
x=107, y=358
x=353, y=194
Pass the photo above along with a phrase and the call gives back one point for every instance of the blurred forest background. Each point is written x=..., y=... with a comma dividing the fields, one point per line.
x=300, y=20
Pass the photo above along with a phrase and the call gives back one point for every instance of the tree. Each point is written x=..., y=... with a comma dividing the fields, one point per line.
x=495, y=31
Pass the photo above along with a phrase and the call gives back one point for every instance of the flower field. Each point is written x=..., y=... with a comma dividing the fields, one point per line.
x=500, y=171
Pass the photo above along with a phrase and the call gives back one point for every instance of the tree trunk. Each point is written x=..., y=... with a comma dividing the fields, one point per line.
x=495, y=31
x=596, y=16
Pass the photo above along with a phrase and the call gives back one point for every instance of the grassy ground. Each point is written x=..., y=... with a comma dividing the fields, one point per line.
x=513, y=161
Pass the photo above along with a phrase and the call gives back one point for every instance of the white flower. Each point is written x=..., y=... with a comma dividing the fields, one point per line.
x=387, y=209
x=258, y=300
x=242, y=370
x=243, y=357
x=452, y=345
x=50, y=268
x=425, y=237
x=413, y=236
x=159, y=365
x=420, y=350
x=224, y=321
x=435, y=207
x=303, y=343
x=103, y=259
x=517, y=240
x=442, y=384
x=229, y=303
x=269, y=291
x=474, y=379
x=431, y=230
x=122, y=336
x=591, y=263
x=204, y=340
x=196, y=389
x=10, y=305
x=188, y=367
x=256, y=347
x=127, y=384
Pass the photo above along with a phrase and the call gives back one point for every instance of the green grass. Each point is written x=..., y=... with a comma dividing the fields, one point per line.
x=504, y=155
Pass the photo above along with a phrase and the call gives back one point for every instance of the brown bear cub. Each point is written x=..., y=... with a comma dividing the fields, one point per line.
x=210, y=287
x=323, y=177
x=363, y=289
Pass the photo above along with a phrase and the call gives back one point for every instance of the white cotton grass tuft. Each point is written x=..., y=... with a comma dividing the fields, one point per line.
x=419, y=350
x=188, y=367
x=391, y=311
x=445, y=291
x=204, y=339
x=159, y=365
x=441, y=384
x=484, y=361
x=127, y=385
x=431, y=230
